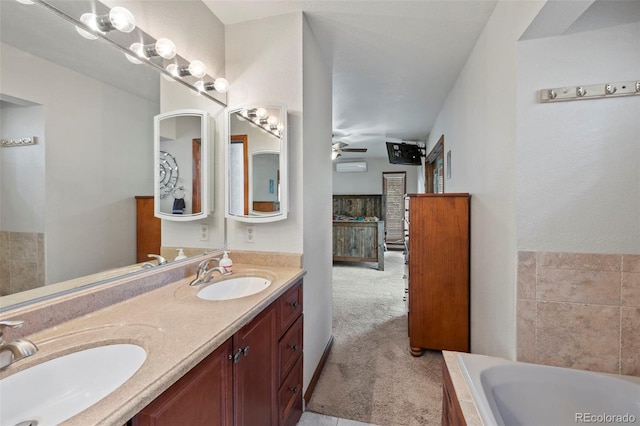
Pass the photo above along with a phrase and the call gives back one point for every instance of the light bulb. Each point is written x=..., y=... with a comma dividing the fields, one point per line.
x=221, y=85
x=89, y=19
x=280, y=127
x=136, y=48
x=165, y=48
x=261, y=113
x=273, y=121
x=122, y=19
x=197, y=69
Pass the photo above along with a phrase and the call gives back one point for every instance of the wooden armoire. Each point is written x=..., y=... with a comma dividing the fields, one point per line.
x=438, y=272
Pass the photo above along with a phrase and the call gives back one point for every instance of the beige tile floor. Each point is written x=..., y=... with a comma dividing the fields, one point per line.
x=315, y=419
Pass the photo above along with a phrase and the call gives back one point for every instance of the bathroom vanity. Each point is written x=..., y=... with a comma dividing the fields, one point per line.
x=225, y=362
x=255, y=376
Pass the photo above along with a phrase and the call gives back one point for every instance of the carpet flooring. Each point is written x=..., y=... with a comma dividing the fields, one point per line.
x=370, y=375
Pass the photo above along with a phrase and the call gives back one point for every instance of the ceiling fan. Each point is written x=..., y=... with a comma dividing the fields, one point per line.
x=338, y=148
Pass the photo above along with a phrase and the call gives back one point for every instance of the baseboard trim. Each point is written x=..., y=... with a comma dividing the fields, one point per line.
x=316, y=374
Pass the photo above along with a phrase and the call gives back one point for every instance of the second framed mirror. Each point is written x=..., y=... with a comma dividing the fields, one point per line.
x=182, y=165
x=256, y=164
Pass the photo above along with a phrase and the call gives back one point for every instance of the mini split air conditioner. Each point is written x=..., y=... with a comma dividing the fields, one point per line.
x=351, y=166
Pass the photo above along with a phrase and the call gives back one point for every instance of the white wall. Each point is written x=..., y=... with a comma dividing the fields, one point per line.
x=370, y=182
x=317, y=204
x=578, y=176
x=268, y=70
x=479, y=124
x=22, y=170
x=98, y=142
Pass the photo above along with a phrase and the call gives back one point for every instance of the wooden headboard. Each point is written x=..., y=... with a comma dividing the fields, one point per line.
x=359, y=205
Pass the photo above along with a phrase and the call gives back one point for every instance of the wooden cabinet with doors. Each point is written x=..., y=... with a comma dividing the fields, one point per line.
x=438, y=279
x=203, y=396
x=254, y=371
x=253, y=379
x=147, y=228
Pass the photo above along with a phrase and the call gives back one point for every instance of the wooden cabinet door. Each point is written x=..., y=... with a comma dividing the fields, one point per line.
x=203, y=397
x=148, y=228
x=255, y=371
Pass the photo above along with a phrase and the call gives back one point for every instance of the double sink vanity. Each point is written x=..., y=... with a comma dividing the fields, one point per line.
x=176, y=353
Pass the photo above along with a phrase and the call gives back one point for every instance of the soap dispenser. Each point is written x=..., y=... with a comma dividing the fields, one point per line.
x=180, y=255
x=226, y=263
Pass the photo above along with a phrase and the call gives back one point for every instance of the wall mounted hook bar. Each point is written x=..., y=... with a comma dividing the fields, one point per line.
x=591, y=91
x=19, y=141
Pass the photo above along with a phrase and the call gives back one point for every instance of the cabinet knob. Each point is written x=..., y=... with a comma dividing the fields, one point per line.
x=294, y=389
x=294, y=304
x=245, y=350
x=294, y=347
x=235, y=357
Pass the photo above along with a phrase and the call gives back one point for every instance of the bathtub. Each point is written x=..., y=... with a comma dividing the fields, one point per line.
x=515, y=393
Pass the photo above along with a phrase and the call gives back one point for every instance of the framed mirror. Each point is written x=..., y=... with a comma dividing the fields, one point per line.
x=256, y=164
x=181, y=147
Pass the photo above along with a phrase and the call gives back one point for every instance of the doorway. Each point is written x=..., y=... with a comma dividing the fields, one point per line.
x=434, y=169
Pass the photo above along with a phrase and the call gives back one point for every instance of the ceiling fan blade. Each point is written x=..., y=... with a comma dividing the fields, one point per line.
x=354, y=150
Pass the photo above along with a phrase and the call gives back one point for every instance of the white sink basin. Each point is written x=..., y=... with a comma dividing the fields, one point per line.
x=234, y=288
x=62, y=387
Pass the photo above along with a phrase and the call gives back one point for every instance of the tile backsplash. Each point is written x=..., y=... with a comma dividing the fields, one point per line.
x=579, y=310
x=21, y=261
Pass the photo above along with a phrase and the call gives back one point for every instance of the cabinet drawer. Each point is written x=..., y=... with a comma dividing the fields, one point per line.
x=290, y=348
x=290, y=396
x=289, y=307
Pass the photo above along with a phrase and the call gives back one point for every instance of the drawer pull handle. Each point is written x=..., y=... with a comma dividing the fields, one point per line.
x=294, y=347
x=294, y=389
x=294, y=304
x=245, y=350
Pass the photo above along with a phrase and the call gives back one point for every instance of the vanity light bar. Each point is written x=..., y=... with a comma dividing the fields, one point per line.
x=592, y=91
x=253, y=116
x=134, y=55
x=18, y=142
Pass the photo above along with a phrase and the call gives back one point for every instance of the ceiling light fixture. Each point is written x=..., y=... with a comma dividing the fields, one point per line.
x=118, y=18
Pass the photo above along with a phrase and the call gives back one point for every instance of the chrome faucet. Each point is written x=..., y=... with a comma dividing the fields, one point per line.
x=161, y=261
x=18, y=349
x=203, y=273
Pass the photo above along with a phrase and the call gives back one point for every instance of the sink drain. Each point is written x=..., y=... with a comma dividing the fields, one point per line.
x=28, y=423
